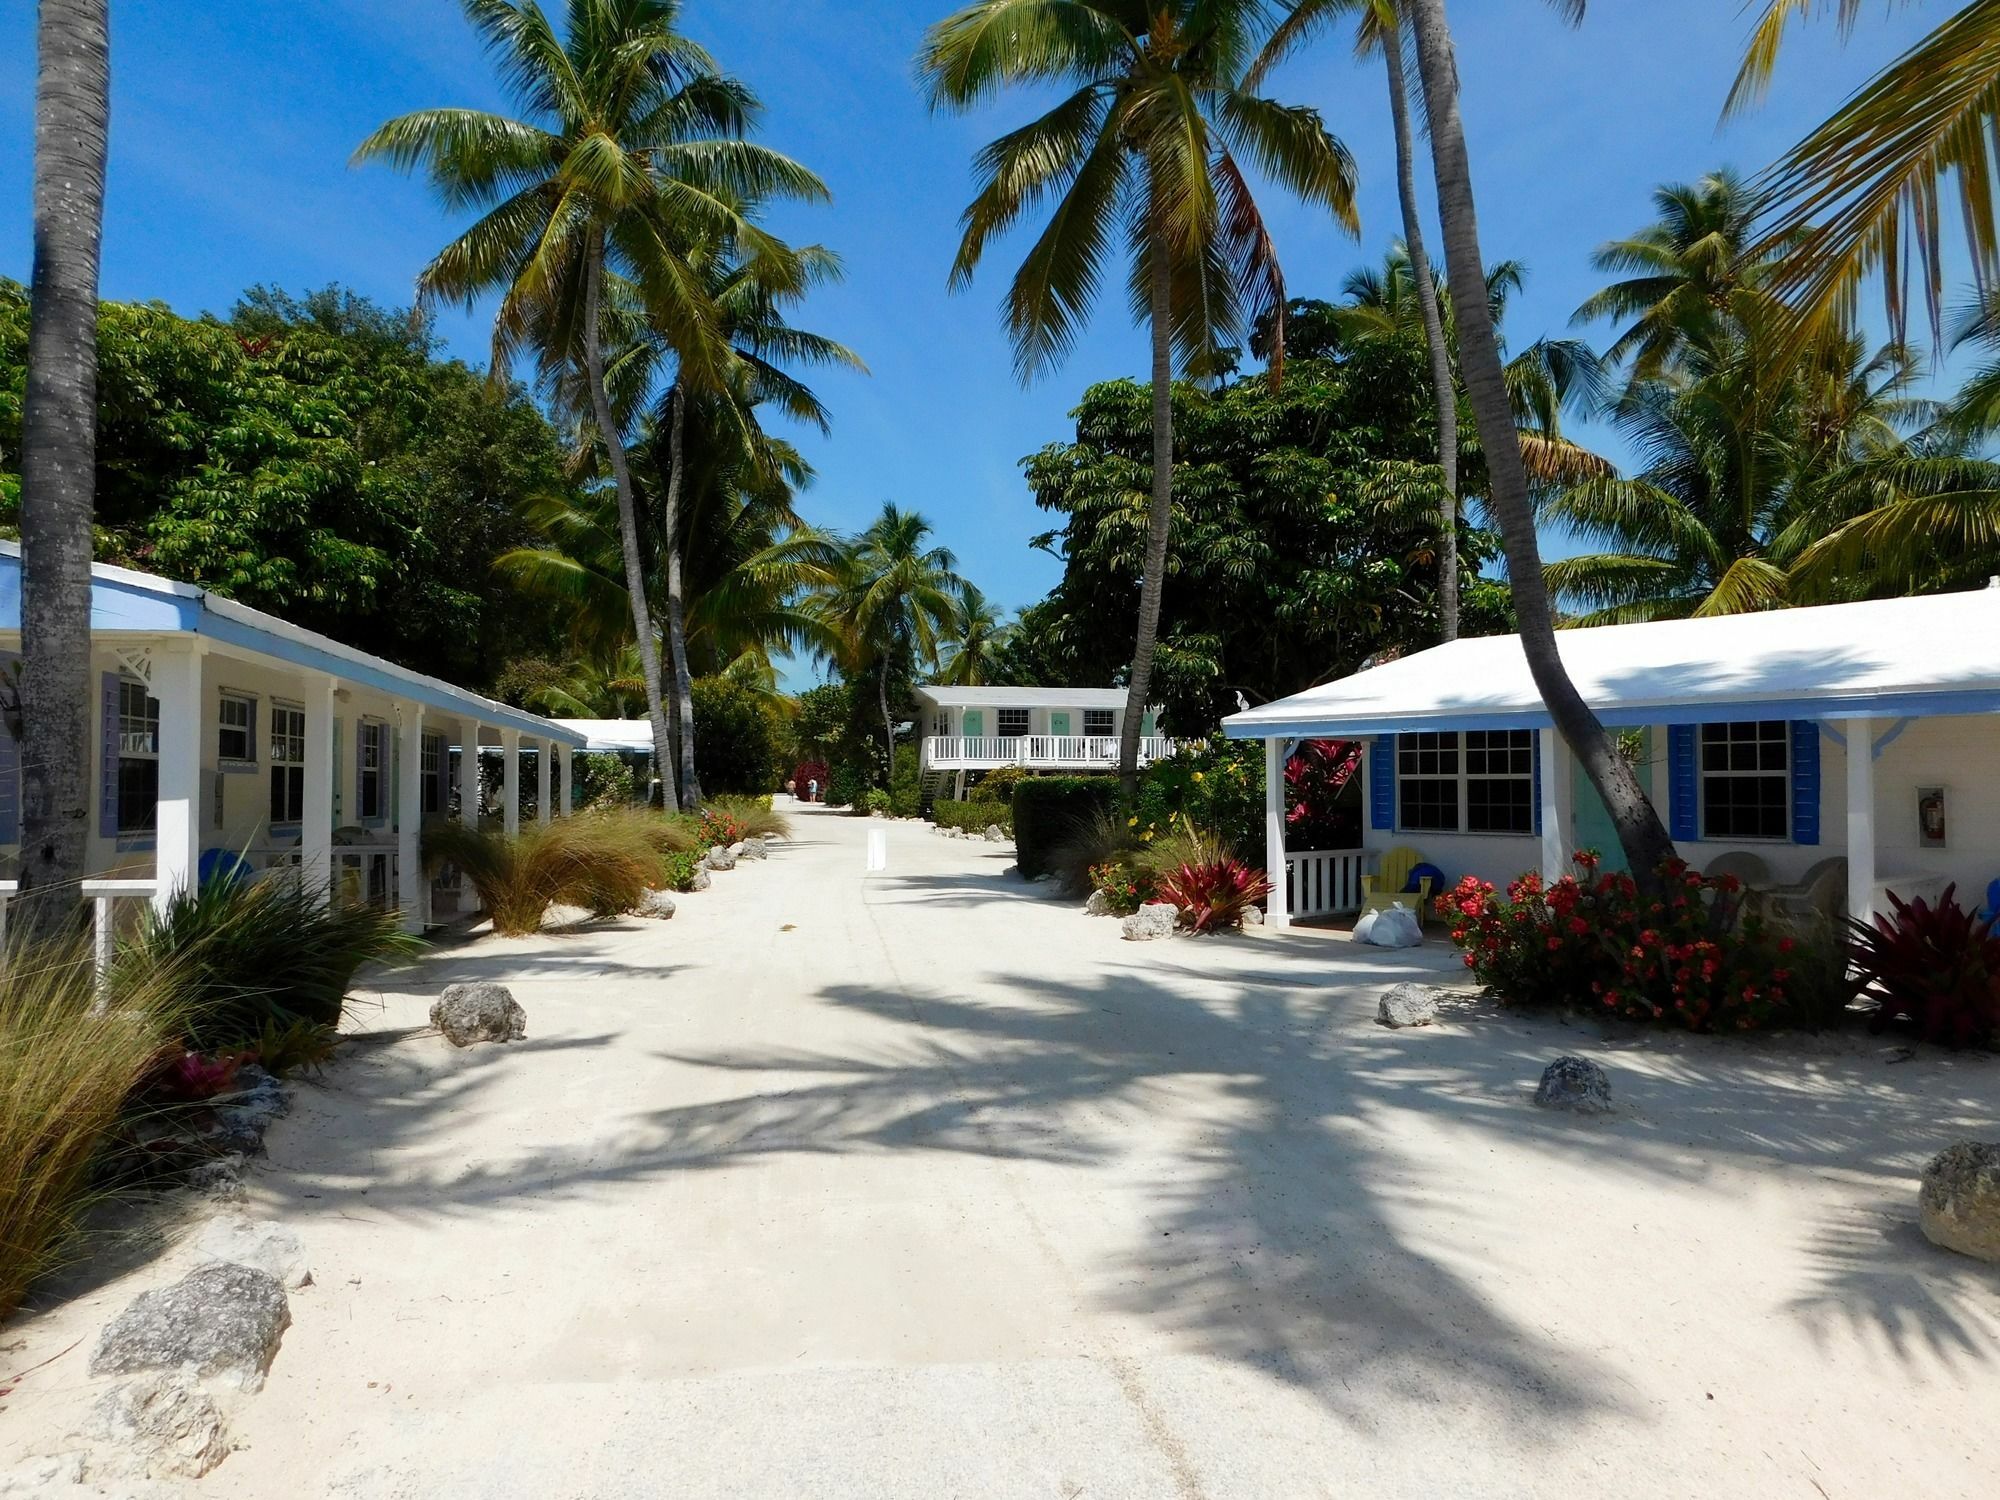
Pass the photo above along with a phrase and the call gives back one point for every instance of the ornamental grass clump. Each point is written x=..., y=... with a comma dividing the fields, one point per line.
x=602, y=862
x=1935, y=968
x=70, y=1058
x=1692, y=957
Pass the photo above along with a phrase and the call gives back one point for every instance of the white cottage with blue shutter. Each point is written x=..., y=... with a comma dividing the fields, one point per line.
x=1862, y=733
x=225, y=732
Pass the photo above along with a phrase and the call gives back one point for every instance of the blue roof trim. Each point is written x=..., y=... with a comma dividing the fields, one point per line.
x=1708, y=711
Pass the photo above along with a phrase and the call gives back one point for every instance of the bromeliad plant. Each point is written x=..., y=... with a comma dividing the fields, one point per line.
x=1935, y=966
x=1691, y=955
x=1215, y=894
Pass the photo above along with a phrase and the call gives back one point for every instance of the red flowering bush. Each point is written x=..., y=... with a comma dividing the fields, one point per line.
x=805, y=775
x=1214, y=893
x=1939, y=966
x=720, y=826
x=1690, y=956
x=1124, y=885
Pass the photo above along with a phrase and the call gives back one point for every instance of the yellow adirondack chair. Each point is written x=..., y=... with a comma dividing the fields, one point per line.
x=1384, y=888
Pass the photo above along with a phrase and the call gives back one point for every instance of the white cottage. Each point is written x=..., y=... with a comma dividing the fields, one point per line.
x=226, y=732
x=1859, y=732
x=965, y=730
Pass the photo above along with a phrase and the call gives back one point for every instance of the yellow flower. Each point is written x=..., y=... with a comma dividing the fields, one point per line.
x=1197, y=776
x=1148, y=834
x=1132, y=822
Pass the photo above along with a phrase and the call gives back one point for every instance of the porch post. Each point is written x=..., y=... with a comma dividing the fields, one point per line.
x=316, y=813
x=1860, y=818
x=1279, y=916
x=1558, y=832
x=177, y=849
x=544, y=780
x=468, y=772
x=510, y=780
x=412, y=890
x=567, y=780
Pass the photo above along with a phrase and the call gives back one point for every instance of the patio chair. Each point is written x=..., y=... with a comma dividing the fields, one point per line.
x=1392, y=883
x=1748, y=868
x=1821, y=894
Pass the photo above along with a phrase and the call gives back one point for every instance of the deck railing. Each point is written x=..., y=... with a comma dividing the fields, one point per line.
x=1078, y=750
x=1324, y=882
x=103, y=896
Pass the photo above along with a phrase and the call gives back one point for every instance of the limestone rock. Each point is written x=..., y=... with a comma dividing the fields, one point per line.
x=699, y=881
x=1407, y=1005
x=165, y=1425
x=720, y=858
x=51, y=1474
x=468, y=1013
x=224, y=1320
x=995, y=834
x=1959, y=1202
x=1253, y=916
x=1576, y=1084
x=220, y=1177
x=755, y=849
x=259, y=1244
x=1099, y=905
x=1156, y=919
x=737, y=848
x=656, y=904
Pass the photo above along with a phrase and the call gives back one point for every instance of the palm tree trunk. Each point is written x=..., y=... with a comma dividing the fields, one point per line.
x=1159, y=517
x=628, y=520
x=1441, y=382
x=676, y=628
x=1640, y=832
x=888, y=724
x=59, y=457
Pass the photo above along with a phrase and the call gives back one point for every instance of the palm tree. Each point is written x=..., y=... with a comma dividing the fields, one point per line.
x=1146, y=142
x=1867, y=189
x=58, y=457
x=634, y=148
x=1640, y=833
x=1381, y=33
x=970, y=654
x=896, y=600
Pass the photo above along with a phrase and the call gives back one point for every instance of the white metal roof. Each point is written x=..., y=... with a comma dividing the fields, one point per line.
x=612, y=734
x=1938, y=654
x=1021, y=697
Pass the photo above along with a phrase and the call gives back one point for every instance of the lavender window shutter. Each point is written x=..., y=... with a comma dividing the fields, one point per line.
x=107, y=790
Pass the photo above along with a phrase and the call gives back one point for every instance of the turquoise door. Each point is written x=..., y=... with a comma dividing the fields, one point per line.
x=1594, y=829
x=975, y=723
x=1058, y=721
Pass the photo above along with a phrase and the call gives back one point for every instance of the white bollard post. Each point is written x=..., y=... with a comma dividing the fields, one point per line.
x=878, y=849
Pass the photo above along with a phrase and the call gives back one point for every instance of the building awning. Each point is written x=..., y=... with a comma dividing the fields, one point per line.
x=1938, y=654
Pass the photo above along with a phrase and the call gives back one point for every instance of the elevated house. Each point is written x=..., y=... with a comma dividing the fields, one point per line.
x=1848, y=749
x=966, y=731
x=227, y=734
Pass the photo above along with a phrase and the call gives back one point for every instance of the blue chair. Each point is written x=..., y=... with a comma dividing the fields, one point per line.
x=222, y=864
x=1990, y=912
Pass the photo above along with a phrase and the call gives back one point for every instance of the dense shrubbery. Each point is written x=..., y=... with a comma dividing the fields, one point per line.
x=906, y=784
x=808, y=776
x=998, y=785
x=1216, y=784
x=1050, y=809
x=1692, y=957
x=974, y=817
x=1936, y=967
x=1124, y=885
x=605, y=780
x=734, y=737
x=847, y=786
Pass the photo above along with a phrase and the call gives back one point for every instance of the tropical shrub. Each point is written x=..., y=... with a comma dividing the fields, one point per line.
x=1125, y=886
x=720, y=826
x=846, y=785
x=1322, y=796
x=973, y=817
x=678, y=871
x=807, y=772
x=753, y=815
x=906, y=784
x=877, y=801
x=1054, y=812
x=736, y=738
x=1937, y=967
x=1215, y=784
x=605, y=780
x=67, y=1067
x=998, y=785
x=1214, y=894
x=603, y=863
x=252, y=955
x=1692, y=956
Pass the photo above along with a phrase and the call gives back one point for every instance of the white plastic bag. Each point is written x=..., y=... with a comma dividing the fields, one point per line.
x=1365, y=924
x=1394, y=928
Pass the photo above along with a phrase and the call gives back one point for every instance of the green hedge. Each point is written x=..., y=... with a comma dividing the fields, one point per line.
x=972, y=816
x=1047, y=808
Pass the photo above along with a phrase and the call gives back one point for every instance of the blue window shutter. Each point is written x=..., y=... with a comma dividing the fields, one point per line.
x=1683, y=783
x=1535, y=788
x=1805, y=777
x=1382, y=782
x=107, y=790
x=10, y=761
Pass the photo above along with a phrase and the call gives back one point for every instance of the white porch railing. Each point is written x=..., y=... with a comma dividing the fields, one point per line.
x=1073, y=751
x=1324, y=882
x=102, y=896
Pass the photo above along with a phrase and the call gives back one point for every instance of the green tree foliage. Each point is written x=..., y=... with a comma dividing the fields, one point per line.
x=312, y=457
x=1303, y=540
x=739, y=741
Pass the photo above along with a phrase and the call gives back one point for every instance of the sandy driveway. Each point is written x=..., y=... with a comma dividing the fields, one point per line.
x=914, y=1185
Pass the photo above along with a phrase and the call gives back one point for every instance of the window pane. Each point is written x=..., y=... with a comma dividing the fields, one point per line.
x=1013, y=722
x=138, y=795
x=1428, y=804
x=1500, y=805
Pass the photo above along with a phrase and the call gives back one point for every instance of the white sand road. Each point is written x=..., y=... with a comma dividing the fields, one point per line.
x=914, y=1184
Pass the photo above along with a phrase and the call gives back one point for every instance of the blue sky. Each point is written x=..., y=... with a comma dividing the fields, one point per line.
x=233, y=120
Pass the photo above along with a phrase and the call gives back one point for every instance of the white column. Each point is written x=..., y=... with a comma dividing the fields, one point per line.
x=412, y=890
x=177, y=685
x=510, y=779
x=316, y=811
x=1558, y=818
x=1279, y=915
x=544, y=780
x=568, y=779
x=1860, y=817
x=468, y=772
